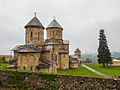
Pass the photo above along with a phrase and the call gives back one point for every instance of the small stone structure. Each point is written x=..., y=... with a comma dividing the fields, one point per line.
x=75, y=59
x=40, y=81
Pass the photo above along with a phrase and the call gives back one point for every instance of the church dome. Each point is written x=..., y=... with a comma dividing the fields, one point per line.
x=34, y=23
x=77, y=50
x=54, y=24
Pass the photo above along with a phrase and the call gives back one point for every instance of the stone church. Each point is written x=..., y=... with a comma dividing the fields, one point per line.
x=44, y=55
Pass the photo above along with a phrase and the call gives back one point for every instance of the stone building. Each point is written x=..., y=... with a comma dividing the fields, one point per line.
x=44, y=55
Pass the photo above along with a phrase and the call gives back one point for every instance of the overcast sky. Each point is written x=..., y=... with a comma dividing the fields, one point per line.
x=81, y=20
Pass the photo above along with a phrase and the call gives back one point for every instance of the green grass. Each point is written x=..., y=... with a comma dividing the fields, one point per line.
x=111, y=71
x=80, y=71
x=4, y=65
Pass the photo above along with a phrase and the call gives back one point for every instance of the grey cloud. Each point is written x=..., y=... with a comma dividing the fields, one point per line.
x=81, y=20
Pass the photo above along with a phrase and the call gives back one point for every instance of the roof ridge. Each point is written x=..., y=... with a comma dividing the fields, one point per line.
x=54, y=24
x=34, y=22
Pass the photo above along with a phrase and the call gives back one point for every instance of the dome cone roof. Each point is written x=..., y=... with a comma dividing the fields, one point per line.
x=34, y=23
x=77, y=50
x=54, y=24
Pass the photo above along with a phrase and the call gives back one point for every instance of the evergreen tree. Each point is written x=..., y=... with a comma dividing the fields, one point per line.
x=104, y=55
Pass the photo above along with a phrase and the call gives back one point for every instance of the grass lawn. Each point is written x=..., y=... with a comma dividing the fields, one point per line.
x=111, y=71
x=80, y=71
x=4, y=65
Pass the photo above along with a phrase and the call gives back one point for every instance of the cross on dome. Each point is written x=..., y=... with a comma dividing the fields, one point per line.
x=35, y=14
x=54, y=17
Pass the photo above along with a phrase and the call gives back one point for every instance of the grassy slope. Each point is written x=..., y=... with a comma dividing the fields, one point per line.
x=108, y=71
x=81, y=71
x=3, y=65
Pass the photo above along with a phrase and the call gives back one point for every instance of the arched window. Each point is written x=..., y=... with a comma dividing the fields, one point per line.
x=64, y=55
x=56, y=58
x=31, y=36
x=49, y=32
x=24, y=68
x=53, y=34
x=31, y=68
x=38, y=35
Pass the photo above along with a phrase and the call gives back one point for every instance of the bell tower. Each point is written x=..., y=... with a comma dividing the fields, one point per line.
x=77, y=52
x=34, y=32
x=54, y=30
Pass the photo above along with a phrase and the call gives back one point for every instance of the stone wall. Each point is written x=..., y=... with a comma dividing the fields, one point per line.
x=38, y=81
x=64, y=61
x=74, y=65
x=55, y=33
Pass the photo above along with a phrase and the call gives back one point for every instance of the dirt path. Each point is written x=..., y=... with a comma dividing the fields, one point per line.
x=95, y=71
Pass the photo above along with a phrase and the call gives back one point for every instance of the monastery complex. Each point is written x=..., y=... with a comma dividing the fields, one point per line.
x=44, y=55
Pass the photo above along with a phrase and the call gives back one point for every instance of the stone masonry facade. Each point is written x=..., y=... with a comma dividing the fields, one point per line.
x=44, y=55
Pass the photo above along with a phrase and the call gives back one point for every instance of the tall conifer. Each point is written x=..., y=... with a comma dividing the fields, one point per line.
x=104, y=55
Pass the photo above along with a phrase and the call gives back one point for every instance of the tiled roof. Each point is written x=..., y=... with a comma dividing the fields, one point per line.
x=73, y=61
x=15, y=60
x=51, y=42
x=74, y=56
x=54, y=24
x=34, y=23
x=42, y=65
x=17, y=47
x=5, y=55
x=78, y=50
x=65, y=42
x=12, y=66
x=27, y=49
x=44, y=61
x=47, y=48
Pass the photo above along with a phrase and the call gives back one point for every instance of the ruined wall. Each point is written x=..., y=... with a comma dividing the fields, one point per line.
x=38, y=81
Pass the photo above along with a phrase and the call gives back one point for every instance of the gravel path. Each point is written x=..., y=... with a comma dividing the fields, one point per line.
x=95, y=71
